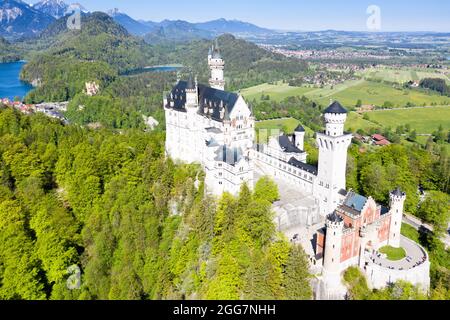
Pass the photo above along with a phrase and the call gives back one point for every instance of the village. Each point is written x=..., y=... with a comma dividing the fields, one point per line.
x=51, y=109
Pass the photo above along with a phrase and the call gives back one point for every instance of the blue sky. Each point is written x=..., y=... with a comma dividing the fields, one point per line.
x=396, y=15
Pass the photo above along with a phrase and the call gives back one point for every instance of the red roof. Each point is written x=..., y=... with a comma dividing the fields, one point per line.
x=382, y=143
x=378, y=137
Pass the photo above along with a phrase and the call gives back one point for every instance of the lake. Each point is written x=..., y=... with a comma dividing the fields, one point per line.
x=10, y=84
x=167, y=68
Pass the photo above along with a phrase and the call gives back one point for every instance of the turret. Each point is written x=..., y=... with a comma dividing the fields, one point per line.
x=191, y=93
x=335, y=116
x=299, y=136
x=217, y=66
x=397, y=203
x=333, y=243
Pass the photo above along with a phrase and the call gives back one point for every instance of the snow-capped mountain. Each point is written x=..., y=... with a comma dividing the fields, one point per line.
x=54, y=8
x=18, y=19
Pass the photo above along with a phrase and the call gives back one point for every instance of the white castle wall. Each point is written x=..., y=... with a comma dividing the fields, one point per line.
x=379, y=277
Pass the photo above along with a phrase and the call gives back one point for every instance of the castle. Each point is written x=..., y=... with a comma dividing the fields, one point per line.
x=216, y=128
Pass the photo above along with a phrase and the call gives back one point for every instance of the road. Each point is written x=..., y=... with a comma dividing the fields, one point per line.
x=417, y=224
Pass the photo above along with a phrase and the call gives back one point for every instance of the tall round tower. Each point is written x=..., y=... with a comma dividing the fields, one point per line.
x=217, y=67
x=333, y=244
x=397, y=203
x=333, y=147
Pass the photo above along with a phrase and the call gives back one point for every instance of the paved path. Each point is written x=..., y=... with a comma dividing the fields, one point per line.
x=414, y=253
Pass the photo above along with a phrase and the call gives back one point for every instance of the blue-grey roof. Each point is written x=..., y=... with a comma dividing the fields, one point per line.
x=334, y=217
x=355, y=201
x=190, y=84
x=398, y=192
x=300, y=128
x=212, y=98
x=287, y=145
x=303, y=166
x=335, y=107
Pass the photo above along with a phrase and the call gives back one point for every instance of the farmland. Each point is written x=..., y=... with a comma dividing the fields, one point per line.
x=276, y=92
x=400, y=76
x=423, y=120
x=348, y=93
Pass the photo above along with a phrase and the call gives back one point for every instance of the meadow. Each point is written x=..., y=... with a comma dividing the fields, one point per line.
x=348, y=94
x=277, y=92
x=423, y=120
x=396, y=75
x=375, y=93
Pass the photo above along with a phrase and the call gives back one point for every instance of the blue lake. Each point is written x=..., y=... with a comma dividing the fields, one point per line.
x=168, y=68
x=10, y=84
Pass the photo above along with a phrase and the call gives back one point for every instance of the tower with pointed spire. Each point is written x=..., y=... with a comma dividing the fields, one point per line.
x=217, y=67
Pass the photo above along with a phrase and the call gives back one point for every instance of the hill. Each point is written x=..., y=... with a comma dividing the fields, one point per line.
x=102, y=44
x=246, y=63
x=18, y=19
x=8, y=53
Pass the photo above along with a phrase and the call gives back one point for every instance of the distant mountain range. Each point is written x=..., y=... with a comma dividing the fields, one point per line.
x=179, y=30
x=20, y=19
x=54, y=8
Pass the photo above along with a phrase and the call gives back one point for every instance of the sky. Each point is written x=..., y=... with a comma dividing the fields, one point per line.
x=306, y=15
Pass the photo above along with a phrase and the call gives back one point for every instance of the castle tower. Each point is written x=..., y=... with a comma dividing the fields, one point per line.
x=191, y=93
x=299, y=135
x=332, y=253
x=397, y=202
x=217, y=66
x=333, y=148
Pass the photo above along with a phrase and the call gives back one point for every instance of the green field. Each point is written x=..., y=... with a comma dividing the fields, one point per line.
x=400, y=75
x=375, y=93
x=349, y=93
x=276, y=92
x=355, y=121
x=424, y=121
x=278, y=124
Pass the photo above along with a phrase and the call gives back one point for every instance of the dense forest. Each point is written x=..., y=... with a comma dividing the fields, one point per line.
x=8, y=52
x=137, y=225
x=246, y=63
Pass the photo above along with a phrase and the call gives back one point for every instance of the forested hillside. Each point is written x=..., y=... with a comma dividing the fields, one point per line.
x=246, y=64
x=136, y=224
x=8, y=53
x=69, y=58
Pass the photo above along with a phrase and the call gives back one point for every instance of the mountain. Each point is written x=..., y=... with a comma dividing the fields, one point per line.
x=134, y=27
x=54, y=8
x=222, y=26
x=176, y=31
x=18, y=19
